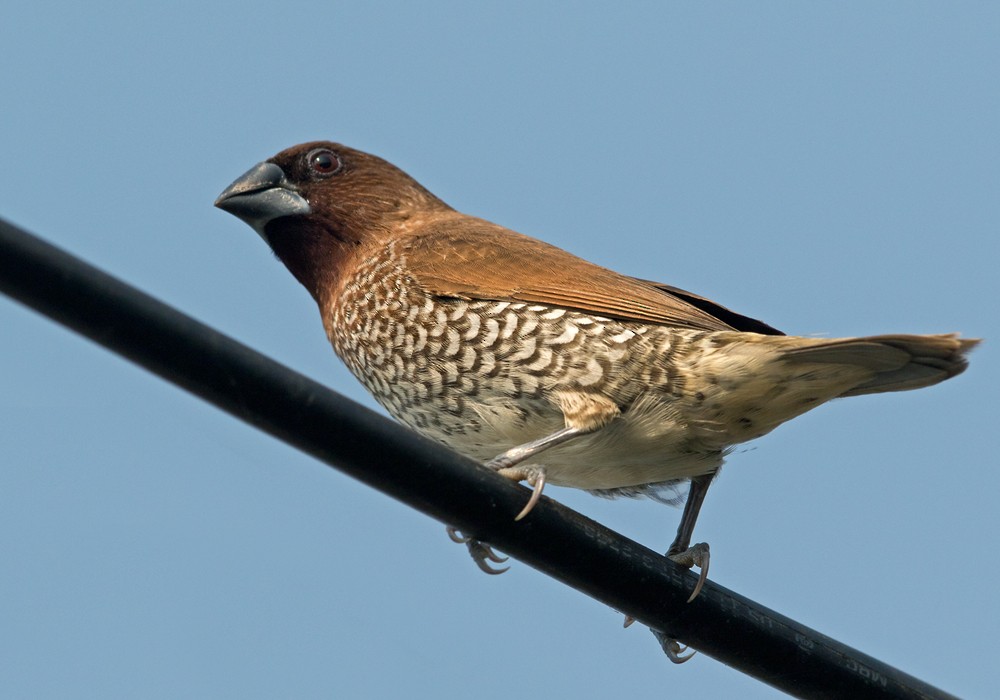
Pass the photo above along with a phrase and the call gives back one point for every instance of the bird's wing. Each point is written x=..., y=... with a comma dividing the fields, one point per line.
x=474, y=259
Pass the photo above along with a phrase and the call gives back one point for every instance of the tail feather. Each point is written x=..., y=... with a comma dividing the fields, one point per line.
x=899, y=362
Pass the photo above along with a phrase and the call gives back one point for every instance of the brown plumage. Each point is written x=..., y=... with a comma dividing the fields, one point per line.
x=553, y=369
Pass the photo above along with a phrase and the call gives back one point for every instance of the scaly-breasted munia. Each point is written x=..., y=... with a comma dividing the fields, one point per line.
x=542, y=365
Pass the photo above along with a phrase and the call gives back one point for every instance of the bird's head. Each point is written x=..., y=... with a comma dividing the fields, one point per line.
x=316, y=202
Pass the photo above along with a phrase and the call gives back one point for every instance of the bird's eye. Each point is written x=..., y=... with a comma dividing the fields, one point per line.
x=323, y=162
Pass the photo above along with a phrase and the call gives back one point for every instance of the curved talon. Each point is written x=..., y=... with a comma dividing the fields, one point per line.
x=535, y=476
x=695, y=555
x=455, y=536
x=538, y=485
x=488, y=552
x=480, y=552
x=483, y=554
x=673, y=649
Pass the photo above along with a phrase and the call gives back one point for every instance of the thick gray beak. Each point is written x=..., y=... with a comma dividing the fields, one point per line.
x=262, y=194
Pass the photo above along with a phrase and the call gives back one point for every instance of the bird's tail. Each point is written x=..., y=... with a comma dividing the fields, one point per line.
x=894, y=362
x=744, y=385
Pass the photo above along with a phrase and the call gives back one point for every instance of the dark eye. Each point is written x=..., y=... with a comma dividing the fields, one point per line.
x=323, y=162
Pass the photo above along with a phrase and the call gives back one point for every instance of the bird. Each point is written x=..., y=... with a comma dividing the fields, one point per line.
x=543, y=366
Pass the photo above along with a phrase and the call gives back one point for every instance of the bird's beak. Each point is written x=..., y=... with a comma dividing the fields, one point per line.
x=262, y=194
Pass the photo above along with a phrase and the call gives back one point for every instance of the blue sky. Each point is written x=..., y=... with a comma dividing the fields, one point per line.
x=831, y=168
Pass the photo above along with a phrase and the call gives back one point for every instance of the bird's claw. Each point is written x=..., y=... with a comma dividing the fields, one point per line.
x=480, y=552
x=455, y=536
x=535, y=476
x=672, y=648
x=537, y=481
x=695, y=555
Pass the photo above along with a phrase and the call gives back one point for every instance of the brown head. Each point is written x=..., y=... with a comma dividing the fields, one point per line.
x=318, y=204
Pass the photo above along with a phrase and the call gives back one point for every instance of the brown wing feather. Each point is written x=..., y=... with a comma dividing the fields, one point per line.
x=470, y=258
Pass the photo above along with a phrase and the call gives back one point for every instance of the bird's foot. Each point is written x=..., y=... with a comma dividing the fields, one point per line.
x=480, y=552
x=695, y=555
x=672, y=648
x=506, y=465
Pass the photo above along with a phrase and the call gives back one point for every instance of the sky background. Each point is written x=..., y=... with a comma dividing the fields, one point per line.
x=831, y=168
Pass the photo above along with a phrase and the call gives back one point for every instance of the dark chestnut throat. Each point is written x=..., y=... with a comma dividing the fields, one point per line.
x=313, y=253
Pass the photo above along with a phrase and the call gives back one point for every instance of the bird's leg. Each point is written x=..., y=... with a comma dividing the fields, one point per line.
x=506, y=464
x=684, y=554
x=520, y=453
x=681, y=550
x=584, y=413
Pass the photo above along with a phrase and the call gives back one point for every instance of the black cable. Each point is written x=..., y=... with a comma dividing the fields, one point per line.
x=554, y=539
